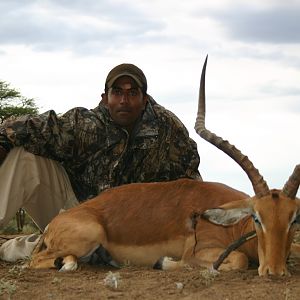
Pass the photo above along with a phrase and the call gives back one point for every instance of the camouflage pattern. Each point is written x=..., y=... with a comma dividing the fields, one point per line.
x=98, y=154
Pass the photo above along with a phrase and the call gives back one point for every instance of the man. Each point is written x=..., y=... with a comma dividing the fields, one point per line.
x=127, y=138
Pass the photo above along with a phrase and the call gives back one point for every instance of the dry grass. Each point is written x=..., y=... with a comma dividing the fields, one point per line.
x=7, y=287
x=12, y=228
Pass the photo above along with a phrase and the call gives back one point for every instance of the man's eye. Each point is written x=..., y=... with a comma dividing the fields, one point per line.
x=133, y=93
x=117, y=92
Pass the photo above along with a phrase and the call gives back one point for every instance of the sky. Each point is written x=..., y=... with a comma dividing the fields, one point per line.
x=60, y=51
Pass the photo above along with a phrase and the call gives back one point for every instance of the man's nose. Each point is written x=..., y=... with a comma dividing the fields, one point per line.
x=124, y=97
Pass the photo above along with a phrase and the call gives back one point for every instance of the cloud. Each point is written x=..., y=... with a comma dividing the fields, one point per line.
x=82, y=26
x=266, y=24
x=103, y=27
x=294, y=106
x=277, y=90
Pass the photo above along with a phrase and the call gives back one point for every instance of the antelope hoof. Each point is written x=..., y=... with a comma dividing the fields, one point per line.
x=160, y=264
x=69, y=266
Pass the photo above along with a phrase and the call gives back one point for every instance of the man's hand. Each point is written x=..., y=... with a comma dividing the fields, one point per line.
x=3, y=154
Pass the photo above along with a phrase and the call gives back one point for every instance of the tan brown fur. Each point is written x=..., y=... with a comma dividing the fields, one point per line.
x=276, y=234
x=140, y=216
x=140, y=223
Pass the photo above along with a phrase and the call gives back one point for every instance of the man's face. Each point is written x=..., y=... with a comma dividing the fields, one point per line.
x=125, y=102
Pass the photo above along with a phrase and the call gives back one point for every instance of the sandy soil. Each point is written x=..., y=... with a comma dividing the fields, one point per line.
x=90, y=282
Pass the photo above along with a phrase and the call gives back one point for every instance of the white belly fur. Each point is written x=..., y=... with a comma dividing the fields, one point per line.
x=146, y=255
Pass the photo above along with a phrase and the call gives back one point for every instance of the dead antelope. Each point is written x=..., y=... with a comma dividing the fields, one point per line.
x=154, y=224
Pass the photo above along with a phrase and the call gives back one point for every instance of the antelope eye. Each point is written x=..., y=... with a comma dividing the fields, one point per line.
x=255, y=219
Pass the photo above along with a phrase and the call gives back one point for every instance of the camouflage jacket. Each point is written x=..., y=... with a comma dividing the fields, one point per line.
x=98, y=154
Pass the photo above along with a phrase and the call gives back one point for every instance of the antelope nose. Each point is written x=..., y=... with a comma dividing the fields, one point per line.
x=267, y=270
x=278, y=271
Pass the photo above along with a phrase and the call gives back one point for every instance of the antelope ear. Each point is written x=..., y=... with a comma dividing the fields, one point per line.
x=229, y=214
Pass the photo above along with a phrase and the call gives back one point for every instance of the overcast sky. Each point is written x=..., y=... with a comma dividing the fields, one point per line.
x=60, y=51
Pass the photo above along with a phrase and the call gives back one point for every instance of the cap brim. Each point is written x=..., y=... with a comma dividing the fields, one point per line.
x=112, y=80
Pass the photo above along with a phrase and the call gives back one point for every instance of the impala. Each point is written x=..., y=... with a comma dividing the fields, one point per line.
x=158, y=224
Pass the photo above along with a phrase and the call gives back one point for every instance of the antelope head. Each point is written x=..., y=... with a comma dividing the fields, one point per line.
x=275, y=213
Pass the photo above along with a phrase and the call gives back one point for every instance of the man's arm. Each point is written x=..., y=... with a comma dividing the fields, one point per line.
x=46, y=134
x=59, y=137
x=182, y=158
x=183, y=154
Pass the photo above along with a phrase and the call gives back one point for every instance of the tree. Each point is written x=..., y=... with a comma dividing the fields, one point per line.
x=12, y=103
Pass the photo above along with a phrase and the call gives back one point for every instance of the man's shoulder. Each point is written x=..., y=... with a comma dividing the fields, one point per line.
x=86, y=114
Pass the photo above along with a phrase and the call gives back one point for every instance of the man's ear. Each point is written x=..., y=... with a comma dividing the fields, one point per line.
x=104, y=99
x=145, y=100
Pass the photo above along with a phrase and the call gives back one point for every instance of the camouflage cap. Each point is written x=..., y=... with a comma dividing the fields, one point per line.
x=127, y=70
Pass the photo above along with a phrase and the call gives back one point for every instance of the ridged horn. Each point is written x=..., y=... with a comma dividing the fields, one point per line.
x=259, y=185
x=290, y=189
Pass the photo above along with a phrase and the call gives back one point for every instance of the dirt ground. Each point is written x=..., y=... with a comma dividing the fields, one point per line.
x=90, y=282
